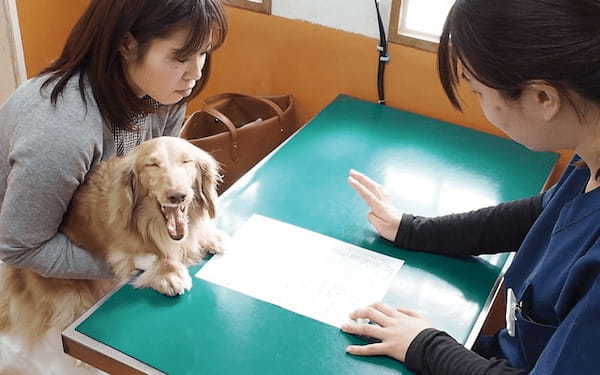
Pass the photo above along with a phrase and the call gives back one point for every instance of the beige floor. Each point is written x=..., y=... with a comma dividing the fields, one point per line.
x=46, y=359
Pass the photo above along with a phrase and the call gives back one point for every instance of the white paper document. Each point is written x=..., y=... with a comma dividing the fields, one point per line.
x=306, y=272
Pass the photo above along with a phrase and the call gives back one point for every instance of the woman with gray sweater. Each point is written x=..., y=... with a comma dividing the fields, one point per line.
x=124, y=76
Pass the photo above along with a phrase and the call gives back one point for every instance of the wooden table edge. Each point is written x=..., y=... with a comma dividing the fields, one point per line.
x=97, y=354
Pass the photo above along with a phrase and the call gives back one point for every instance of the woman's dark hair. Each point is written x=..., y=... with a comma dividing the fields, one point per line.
x=507, y=43
x=93, y=48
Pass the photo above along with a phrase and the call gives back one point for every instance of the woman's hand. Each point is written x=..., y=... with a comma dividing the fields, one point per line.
x=396, y=328
x=383, y=215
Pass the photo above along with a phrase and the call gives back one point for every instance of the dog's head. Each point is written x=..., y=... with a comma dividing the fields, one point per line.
x=178, y=176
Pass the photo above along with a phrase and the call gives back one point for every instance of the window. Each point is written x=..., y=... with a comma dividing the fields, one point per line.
x=261, y=6
x=418, y=23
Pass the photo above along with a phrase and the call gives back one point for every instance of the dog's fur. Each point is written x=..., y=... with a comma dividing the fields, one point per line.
x=156, y=202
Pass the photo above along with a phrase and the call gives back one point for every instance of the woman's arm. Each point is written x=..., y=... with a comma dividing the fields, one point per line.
x=47, y=162
x=435, y=352
x=572, y=348
x=490, y=230
x=406, y=336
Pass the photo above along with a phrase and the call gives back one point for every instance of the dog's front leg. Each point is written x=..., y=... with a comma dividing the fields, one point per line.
x=166, y=276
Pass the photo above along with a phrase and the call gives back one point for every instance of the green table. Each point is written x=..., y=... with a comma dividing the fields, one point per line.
x=429, y=168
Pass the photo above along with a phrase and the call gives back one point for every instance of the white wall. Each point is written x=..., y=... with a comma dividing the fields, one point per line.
x=356, y=16
x=12, y=66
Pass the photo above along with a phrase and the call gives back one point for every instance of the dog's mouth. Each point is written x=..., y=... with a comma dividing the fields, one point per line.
x=176, y=219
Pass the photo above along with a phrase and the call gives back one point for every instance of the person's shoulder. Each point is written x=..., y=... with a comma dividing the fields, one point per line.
x=35, y=93
x=26, y=95
x=33, y=127
x=70, y=117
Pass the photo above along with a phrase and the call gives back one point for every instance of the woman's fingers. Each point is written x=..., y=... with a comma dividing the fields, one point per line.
x=372, y=349
x=402, y=326
x=371, y=185
x=371, y=199
x=383, y=217
x=412, y=313
x=370, y=330
x=388, y=311
x=373, y=315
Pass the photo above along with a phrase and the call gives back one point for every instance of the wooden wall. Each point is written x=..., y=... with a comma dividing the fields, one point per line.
x=270, y=55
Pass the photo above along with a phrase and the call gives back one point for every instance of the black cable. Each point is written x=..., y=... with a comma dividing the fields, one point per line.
x=383, y=56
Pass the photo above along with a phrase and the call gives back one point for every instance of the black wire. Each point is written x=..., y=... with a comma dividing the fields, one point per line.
x=383, y=57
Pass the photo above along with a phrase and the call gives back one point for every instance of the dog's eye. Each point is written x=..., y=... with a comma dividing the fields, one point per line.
x=187, y=161
x=152, y=165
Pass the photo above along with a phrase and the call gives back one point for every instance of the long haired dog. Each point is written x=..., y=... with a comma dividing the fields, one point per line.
x=157, y=202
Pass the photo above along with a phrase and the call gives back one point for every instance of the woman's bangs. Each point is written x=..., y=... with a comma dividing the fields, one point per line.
x=207, y=30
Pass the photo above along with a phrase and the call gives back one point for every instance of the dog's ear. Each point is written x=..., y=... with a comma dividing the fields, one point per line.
x=129, y=186
x=207, y=180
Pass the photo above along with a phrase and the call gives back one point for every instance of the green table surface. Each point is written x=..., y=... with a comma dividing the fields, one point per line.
x=428, y=167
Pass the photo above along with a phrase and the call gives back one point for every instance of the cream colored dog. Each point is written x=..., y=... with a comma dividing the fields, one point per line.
x=157, y=202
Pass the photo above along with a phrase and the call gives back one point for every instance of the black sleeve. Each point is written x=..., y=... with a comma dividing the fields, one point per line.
x=490, y=230
x=433, y=352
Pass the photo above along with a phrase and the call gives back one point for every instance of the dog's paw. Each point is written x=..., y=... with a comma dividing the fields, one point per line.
x=173, y=283
x=166, y=277
x=217, y=243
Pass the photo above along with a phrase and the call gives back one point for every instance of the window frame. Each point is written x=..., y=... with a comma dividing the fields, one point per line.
x=14, y=60
x=415, y=41
x=263, y=7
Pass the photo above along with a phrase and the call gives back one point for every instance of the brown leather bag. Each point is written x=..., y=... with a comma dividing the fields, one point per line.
x=239, y=130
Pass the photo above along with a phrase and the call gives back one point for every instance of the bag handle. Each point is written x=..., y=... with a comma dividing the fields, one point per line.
x=270, y=103
x=235, y=152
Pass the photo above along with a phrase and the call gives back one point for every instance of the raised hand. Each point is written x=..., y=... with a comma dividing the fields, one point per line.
x=383, y=215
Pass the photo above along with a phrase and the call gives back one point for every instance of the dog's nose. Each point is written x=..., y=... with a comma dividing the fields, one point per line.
x=176, y=197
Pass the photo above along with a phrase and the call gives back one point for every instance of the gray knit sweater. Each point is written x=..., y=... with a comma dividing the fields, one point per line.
x=45, y=153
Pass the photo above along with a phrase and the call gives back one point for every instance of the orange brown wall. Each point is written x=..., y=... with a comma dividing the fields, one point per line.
x=271, y=55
